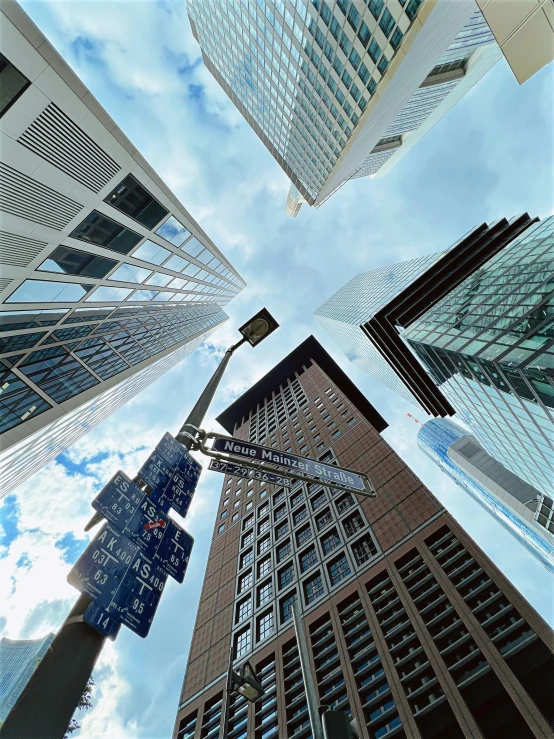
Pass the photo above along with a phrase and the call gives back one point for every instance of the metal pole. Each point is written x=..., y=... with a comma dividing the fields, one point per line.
x=45, y=708
x=228, y=690
x=309, y=685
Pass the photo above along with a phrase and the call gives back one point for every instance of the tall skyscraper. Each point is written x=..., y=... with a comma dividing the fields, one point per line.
x=524, y=32
x=106, y=280
x=514, y=503
x=18, y=661
x=339, y=89
x=411, y=629
x=470, y=332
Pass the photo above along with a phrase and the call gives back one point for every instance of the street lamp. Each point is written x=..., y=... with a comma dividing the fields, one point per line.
x=45, y=708
x=245, y=682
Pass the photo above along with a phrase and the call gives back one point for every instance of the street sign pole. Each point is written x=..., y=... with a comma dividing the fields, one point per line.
x=45, y=708
x=307, y=677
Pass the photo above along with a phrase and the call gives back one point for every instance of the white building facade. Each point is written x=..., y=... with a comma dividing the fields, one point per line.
x=336, y=89
x=106, y=281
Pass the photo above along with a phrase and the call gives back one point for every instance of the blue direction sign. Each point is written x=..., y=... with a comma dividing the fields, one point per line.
x=144, y=523
x=121, y=579
x=101, y=621
x=172, y=473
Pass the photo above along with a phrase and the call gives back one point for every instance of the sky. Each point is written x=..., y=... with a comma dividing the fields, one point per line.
x=490, y=157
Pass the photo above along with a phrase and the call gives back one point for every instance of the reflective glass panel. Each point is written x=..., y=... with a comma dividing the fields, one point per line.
x=144, y=295
x=151, y=252
x=173, y=231
x=107, y=294
x=177, y=282
x=39, y=291
x=132, y=198
x=130, y=273
x=12, y=84
x=191, y=270
x=193, y=247
x=164, y=296
x=158, y=278
x=17, y=400
x=102, y=231
x=69, y=261
x=176, y=263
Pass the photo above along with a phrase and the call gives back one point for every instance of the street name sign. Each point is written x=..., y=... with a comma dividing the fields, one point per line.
x=133, y=514
x=172, y=473
x=121, y=580
x=237, y=470
x=292, y=462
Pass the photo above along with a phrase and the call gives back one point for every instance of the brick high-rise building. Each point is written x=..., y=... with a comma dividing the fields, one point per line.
x=411, y=628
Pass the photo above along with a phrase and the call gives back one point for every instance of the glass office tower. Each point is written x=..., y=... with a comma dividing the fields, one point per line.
x=18, y=660
x=479, y=321
x=336, y=89
x=410, y=628
x=106, y=280
x=512, y=501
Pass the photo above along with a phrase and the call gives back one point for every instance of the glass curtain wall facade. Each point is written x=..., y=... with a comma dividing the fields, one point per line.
x=513, y=502
x=103, y=271
x=489, y=344
x=18, y=660
x=356, y=303
x=303, y=74
x=411, y=629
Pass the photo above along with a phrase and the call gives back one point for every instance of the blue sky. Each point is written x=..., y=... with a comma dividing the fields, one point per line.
x=492, y=156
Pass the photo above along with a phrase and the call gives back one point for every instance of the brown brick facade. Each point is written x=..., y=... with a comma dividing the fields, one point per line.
x=359, y=547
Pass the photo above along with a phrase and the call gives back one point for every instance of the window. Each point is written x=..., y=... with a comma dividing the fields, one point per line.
x=339, y=569
x=307, y=559
x=313, y=588
x=285, y=607
x=265, y=625
x=68, y=261
x=344, y=503
x=245, y=581
x=244, y=609
x=285, y=576
x=299, y=515
x=318, y=500
x=295, y=500
x=39, y=291
x=330, y=541
x=265, y=592
x=221, y=528
x=280, y=512
x=263, y=525
x=246, y=558
x=352, y=524
x=320, y=447
x=364, y=549
x=351, y=421
x=263, y=510
x=264, y=544
x=12, y=83
x=249, y=521
x=173, y=231
x=387, y=23
x=235, y=516
x=303, y=535
x=278, y=497
x=223, y=514
x=304, y=449
x=102, y=231
x=331, y=425
x=131, y=198
x=236, y=504
x=264, y=492
x=247, y=539
x=323, y=519
x=335, y=433
x=282, y=529
x=264, y=566
x=284, y=550
x=242, y=642
x=249, y=505
x=317, y=437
